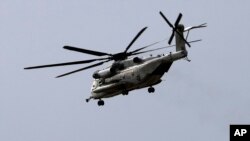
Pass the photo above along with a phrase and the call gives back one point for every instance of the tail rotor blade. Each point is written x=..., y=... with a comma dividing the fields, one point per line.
x=183, y=38
x=175, y=28
x=178, y=20
x=171, y=38
x=163, y=16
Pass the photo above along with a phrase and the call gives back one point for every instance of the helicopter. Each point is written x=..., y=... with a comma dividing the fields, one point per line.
x=130, y=73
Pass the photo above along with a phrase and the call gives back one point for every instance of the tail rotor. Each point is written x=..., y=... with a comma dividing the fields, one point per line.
x=176, y=28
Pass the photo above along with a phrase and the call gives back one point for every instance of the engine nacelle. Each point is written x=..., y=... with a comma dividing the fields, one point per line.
x=102, y=73
x=137, y=60
x=108, y=72
x=116, y=67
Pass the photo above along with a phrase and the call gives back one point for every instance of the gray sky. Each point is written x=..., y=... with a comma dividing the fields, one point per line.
x=197, y=101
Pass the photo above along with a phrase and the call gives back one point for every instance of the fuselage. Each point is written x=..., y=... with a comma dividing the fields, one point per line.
x=146, y=73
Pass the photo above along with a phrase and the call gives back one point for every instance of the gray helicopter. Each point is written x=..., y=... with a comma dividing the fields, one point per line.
x=130, y=73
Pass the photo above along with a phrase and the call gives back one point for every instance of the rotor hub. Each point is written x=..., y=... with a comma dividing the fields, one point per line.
x=180, y=27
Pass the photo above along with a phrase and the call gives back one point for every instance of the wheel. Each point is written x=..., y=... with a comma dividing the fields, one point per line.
x=87, y=100
x=100, y=103
x=151, y=89
x=124, y=92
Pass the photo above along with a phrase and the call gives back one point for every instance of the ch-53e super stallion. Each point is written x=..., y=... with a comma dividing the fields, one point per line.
x=130, y=73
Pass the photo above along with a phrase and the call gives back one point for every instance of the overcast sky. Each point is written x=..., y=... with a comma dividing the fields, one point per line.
x=196, y=101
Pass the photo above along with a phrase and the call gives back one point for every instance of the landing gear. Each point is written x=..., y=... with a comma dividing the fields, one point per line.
x=87, y=100
x=124, y=92
x=151, y=89
x=100, y=103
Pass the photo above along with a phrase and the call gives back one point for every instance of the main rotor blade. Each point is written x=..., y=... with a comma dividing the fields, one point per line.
x=88, y=67
x=178, y=20
x=139, y=49
x=152, y=50
x=163, y=16
x=171, y=38
x=92, y=52
x=162, y=48
x=135, y=38
x=193, y=27
x=195, y=41
x=65, y=64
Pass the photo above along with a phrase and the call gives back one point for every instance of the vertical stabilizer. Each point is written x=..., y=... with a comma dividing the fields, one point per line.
x=180, y=43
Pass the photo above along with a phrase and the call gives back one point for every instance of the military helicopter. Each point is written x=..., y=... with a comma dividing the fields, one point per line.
x=130, y=73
